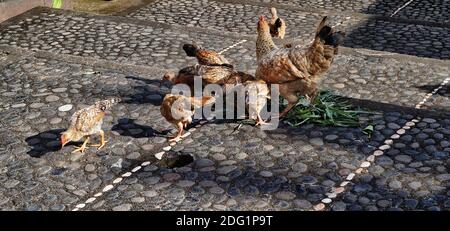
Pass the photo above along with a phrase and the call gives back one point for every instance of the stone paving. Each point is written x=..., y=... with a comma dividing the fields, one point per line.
x=381, y=7
x=362, y=32
x=98, y=38
x=412, y=175
x=288, y=168
x=426, y=10
x=54, y=62
x=38, y=106
x=231, y=17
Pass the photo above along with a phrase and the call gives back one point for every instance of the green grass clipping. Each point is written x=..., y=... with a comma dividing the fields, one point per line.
x=327, y=109
x=57, y=4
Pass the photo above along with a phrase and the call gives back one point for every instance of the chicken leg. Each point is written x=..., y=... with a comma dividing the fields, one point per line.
x=179, y=134
x=260, y=121
x=102, y=141
x=83, y=147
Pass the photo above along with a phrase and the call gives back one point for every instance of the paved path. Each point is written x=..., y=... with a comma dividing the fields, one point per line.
x=53, y=62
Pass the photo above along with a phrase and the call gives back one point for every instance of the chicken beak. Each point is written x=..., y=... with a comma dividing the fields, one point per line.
x=64, y=141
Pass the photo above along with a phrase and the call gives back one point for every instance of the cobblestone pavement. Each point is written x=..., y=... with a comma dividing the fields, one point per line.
x=37, y=107
x=289, y=168
x=362, y=32
x=97, y=38
x=412, y=175
x=426, y=10
x=54, y=62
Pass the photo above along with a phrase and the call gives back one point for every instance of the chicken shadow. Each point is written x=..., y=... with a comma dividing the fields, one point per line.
x=46, y=142
x=127, y=127
x=145, y=91
x=444, y=91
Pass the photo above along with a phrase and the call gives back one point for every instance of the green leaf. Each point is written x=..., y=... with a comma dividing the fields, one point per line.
x=57, y=4
x=328, y=109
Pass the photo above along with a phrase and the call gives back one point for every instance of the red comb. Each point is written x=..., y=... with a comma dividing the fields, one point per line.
x=262, y=18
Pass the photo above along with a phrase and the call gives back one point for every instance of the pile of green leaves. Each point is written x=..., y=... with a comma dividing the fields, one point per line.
x=327, y=109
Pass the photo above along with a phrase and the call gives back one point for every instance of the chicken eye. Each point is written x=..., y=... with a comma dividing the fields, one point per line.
x=103, y=108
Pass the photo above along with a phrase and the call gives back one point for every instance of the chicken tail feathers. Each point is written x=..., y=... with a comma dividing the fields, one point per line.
x=205, y=100
x=190, y=49
x=335, y=39
x=108, y=103
x=328, y=35
x=321, y=25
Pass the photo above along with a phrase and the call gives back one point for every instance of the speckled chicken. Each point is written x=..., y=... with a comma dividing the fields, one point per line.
x=277, y=25
x=178, y=110
x=205, y=57
x=86, y=122
x=296, y=69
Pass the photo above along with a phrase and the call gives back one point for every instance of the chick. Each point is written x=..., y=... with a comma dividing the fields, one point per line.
x=256, y=93
x=178, y=110
x=86, y=122
x=256, y=97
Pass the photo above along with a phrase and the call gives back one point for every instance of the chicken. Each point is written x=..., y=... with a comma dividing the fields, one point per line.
x=264, y=43
x=209, y=75
x=256, y=97
x=86, y=122
x=178, y=110
x=205, y=57
x=184, y=76
x=277, y=25
x=256, y=93
x=295, y=69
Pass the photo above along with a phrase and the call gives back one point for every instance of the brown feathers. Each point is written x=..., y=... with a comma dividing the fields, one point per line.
x=205, y=57
x=295, y=68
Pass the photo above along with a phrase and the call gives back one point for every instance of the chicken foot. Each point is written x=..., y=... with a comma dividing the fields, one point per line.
x=102, y=141
x=260, y=121
x=83, y=147
x=177, y=138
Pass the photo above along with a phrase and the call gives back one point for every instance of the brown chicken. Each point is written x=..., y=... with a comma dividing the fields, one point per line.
x=277, y=25
x=209, y=75
x=178, y=110
x=184, y=76
x=295, y=69
x=205, y=57
x=86, y=122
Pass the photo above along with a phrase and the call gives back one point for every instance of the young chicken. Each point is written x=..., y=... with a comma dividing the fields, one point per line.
x=256, y=93
x=256, y=97
x=277, y=25
x=178, y=110
x=296, y=69
x=86, y=122
x=205, y=57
